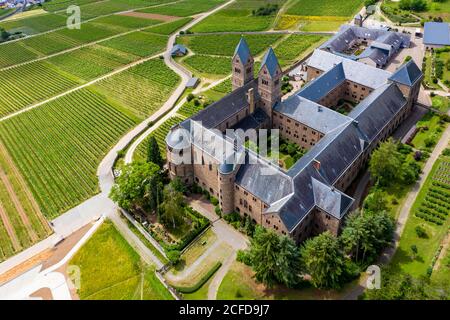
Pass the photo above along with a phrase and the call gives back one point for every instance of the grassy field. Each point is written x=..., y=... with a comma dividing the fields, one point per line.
x=185, y=8
x=428, y=245
x=432, y=128
x=142, y=89
x=238, y=17
x=112, y=270
x=325, y=8
x=239, y=284
x=224, y=45
x=434, y=9
x=21, y=222
x=58, y=146
x=441, y=103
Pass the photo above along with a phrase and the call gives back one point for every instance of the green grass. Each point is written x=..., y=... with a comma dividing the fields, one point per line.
x=59, y=145
x=138, y=43
x=224, y=45
x=142, y=89
x=428, y=246
x=238, y=17
x=209, y=66
x=325, y=8
x=112, y=270
x=434, y=9
x=441, y=103
x=325, y=25
x=434, y=131
x=30, y=83
x=185, y=8
x=295, y=46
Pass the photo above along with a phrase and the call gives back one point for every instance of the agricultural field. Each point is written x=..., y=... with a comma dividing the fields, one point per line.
x=427, y=224
x=112, y=270
x=13, y=53
x=295, y=46
x=239, y=16
x=35, y=24
x=142, y=89
x=125, y=23
x=57, y=147
x=160, y=134
x=326, y=8
x=224, y=45
x=37, y=81
x=169, y=27
x=21, y=222
x=138, y=43
x=209, y=66
x=185, y=8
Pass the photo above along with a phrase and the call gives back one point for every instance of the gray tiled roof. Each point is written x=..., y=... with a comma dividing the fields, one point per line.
x=354, y=71
x=436, y=33
x=270, y=61
x=242, y=50
x=219, y=111
x=330, y=200
x=311, y=114
x=407, y=74
x=252, y=121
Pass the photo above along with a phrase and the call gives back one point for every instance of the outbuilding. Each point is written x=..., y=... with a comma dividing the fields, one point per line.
x=436, y=35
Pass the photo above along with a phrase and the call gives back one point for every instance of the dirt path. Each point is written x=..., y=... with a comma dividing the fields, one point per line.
x=20, y=210
x=445, y=245
x=9, y=229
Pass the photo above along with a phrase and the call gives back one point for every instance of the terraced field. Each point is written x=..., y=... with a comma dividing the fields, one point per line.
x=224, y=45
x=239, y=17
x=31, y=83
x=140, y=90
x=58, y=146
x=184, y=8
x=21, y=221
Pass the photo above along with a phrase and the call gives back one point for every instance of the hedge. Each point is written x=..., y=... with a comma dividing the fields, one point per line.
x=201, y=282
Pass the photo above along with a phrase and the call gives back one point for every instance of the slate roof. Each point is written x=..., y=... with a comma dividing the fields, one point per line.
x=354, y=71
x=330, y=200
x=436, y=33
x=263, y=179
x=178, y=48
x=311, y=114
x=219, y=111
x=243, y=51
x=271, y=62
x=407, y=74
x=252, y=121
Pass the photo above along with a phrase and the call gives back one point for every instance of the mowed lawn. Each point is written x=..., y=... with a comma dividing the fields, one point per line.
x=325, y=8
x=238, y=17
x=112, y=270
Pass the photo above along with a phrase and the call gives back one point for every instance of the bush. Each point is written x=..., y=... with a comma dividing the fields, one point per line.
x=201, y=282
x=214, y=201
x=174, y=256
x=244, y=257
x=189, y=97
x=420, y=231
x=446, y=152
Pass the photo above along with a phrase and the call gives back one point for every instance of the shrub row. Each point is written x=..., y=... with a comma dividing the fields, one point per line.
x=428, y=218
x=435, y=209
x=442, y=185
x=437, y=202
x=201, y=282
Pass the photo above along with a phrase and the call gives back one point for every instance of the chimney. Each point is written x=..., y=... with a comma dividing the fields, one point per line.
x=251, y=99
x=316, y=164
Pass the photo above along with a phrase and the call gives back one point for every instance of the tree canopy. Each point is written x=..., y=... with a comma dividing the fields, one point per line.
x=386, y=162
x=153, y=152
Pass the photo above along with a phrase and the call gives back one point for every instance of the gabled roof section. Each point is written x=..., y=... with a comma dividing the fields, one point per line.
x=407, y=74
x=330, y=200
x=271, y=62
x=243, y=51
x=436, y=33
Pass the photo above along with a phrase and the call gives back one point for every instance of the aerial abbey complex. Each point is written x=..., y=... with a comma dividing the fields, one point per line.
x=309, y=198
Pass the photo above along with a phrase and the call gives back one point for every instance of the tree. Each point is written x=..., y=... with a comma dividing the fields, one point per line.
x=138, y=187
x=153, y=152
x=385, y=163
x=274, y=258
x=376, y=201
x=178, y=185
x=4, y=34
x=323, y=260
x=414, y=251
x=172, y=209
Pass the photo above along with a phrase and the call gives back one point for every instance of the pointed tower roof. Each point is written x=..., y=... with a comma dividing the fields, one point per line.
x=242, y=50
x=270, y=60
x=407, y=74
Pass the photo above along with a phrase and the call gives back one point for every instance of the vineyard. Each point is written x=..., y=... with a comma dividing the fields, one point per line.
x=125, y=23
x=325, y=8
x=142, y=89
x=238, y=17
x=21, y=221
x=170, y=27
x=30, y=83
x=138, y=43
x=435, y=206
x=185, y=8
x=58, y=146
x=225, y=44
x=289, y=50
x=208, y=65
x=35, y=24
